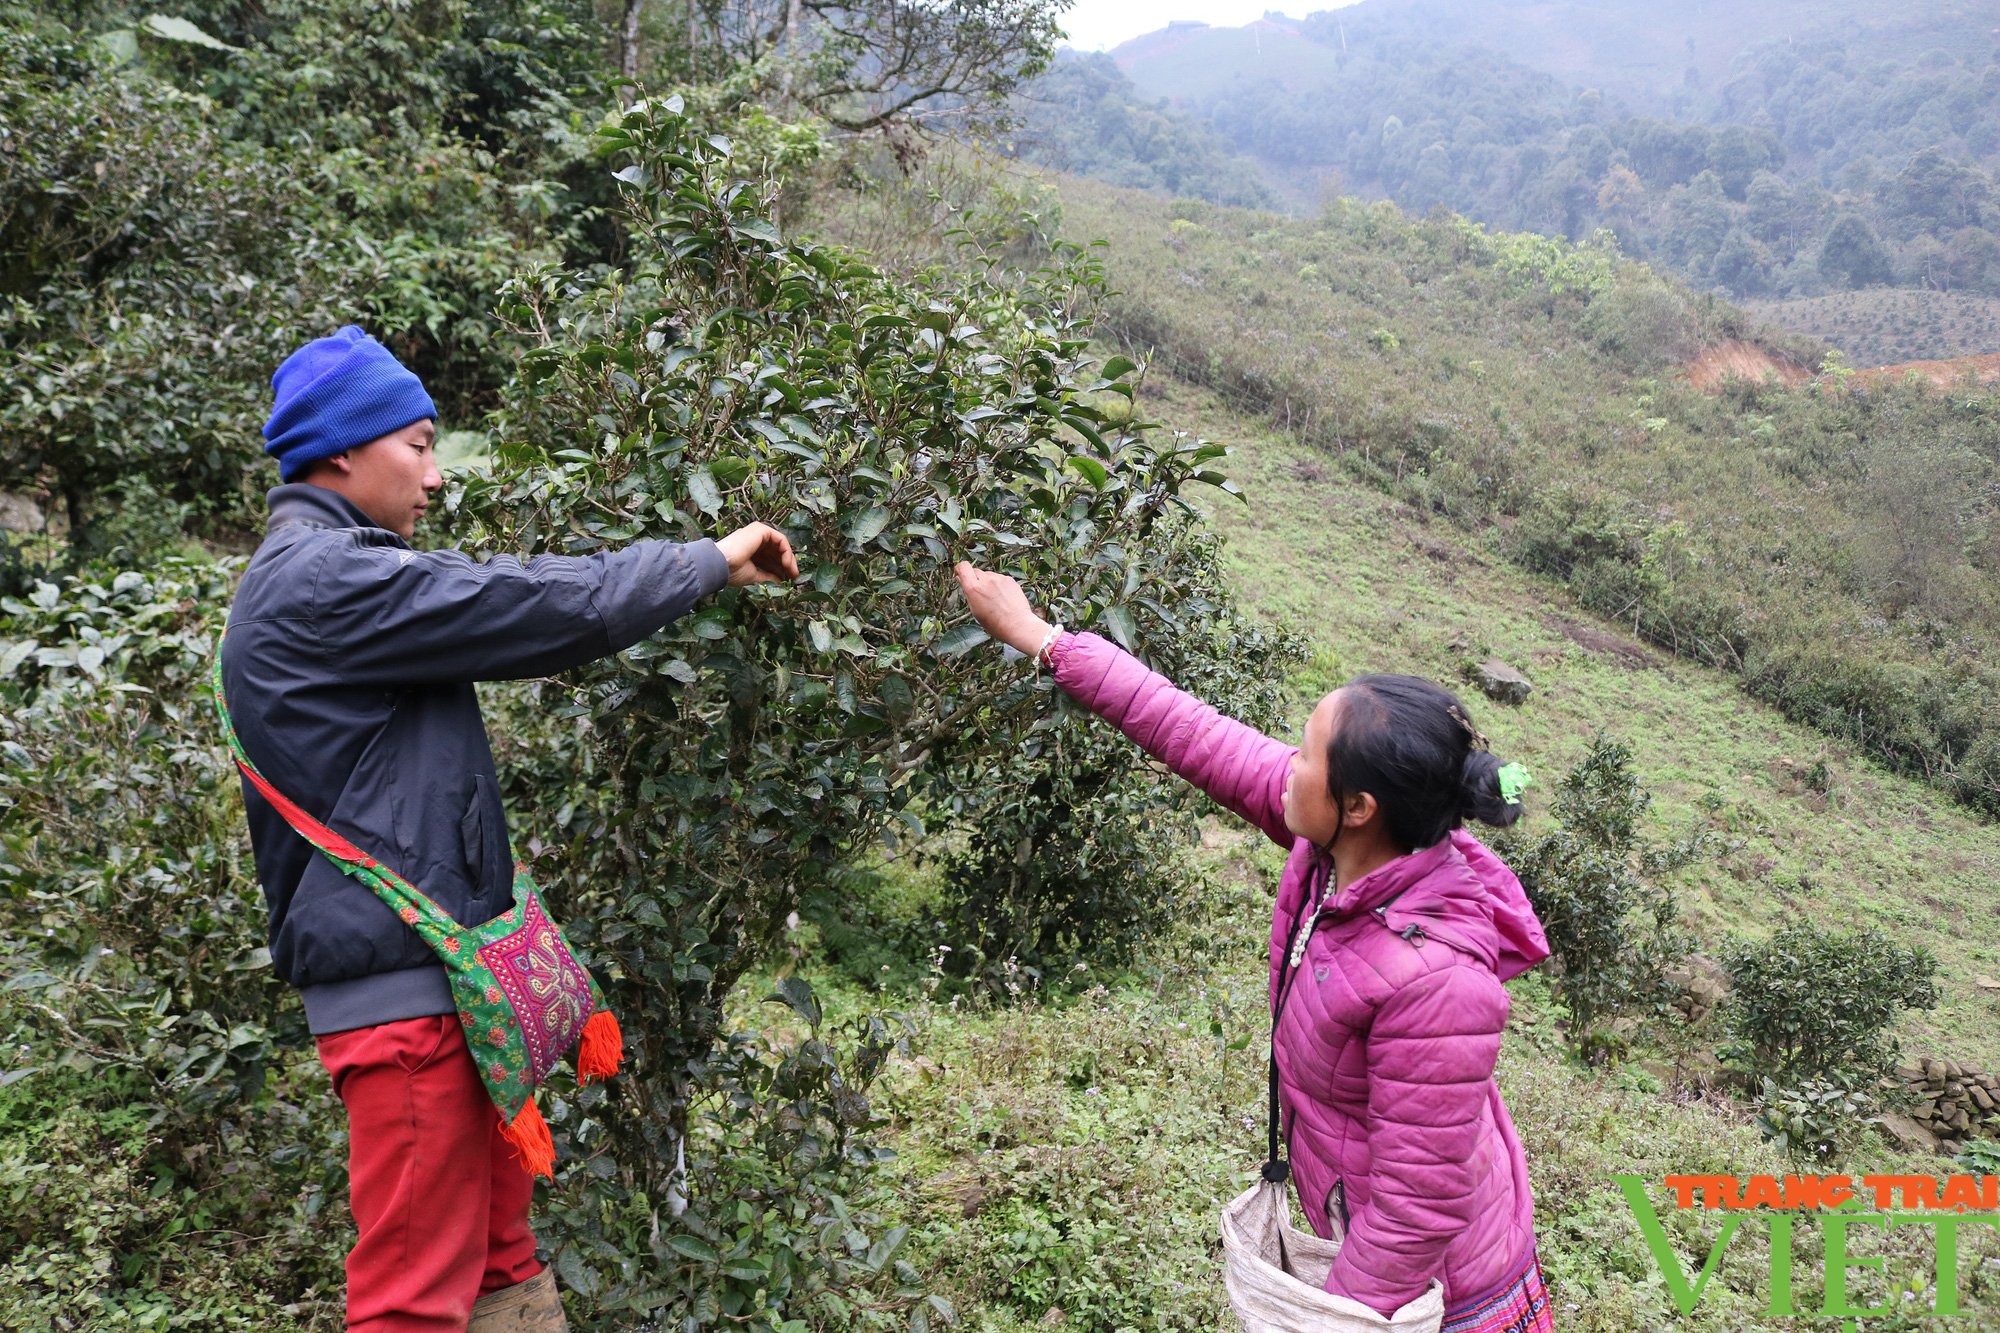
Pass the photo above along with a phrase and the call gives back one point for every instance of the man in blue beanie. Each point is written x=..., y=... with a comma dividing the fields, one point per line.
x=349, y=668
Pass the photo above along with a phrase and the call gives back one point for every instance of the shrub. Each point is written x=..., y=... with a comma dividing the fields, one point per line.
x=1595, y=883
x=1813, y=1120
x=1815, y=1003
x=131, y=910
x=156, y=273
x=1644, y=321
x=685, y=797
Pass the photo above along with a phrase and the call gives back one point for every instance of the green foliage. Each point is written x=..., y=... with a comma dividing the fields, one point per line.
x=170, y=1147
x=1547, y=264
x=734, y=761
x=771, y=1211
x=111, y=1224
x=1815, y=1119
x=1816, y=1003
x=1982, y=1156
x=175, y=221
x=1850, y=256
x=1070, y=850
x=1612, y=926
x=130, y=232
x=118, y=799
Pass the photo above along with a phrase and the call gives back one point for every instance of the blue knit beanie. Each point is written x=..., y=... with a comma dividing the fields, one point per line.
x=335, y=393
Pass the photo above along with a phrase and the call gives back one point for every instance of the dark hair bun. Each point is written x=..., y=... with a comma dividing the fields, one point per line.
x=1479, y=791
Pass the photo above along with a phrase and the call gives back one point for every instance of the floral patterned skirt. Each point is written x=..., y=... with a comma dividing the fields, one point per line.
x=1522, y=1306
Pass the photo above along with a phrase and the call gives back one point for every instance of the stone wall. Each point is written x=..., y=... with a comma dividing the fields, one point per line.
x=1954, y=1101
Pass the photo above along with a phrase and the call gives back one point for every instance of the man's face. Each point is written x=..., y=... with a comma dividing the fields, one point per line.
x=391, y=479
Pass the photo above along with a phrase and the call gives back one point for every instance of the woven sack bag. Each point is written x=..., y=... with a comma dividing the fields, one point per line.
x=1276, y=1275
x=523, y=999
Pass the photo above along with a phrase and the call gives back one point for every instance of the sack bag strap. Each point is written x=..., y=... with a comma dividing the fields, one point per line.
x=1276, y=1169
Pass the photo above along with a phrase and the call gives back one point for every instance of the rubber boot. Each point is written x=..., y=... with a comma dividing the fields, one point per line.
x=534, y=1306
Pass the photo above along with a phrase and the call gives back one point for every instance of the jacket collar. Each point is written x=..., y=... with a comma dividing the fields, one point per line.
x=1456, y=891
x=303, y=504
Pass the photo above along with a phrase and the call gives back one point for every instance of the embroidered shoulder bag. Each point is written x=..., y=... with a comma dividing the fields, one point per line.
x=522, y=997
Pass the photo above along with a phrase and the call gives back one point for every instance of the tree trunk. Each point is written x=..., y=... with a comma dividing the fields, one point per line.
x=628, y=40
x=79, y=532
x=791, y=43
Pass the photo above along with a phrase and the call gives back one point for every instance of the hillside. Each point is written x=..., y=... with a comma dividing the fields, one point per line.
x=1082, y=116
x=1382, y=586
x=1835, y=550
x=1886, y=325
x=1012, y=1125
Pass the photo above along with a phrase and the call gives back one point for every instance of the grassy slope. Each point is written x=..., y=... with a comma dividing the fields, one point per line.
x=1829, y=545
x=1381, y=588
x=1074, y=1158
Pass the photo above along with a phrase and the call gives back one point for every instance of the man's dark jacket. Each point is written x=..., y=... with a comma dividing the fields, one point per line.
x=349, y=669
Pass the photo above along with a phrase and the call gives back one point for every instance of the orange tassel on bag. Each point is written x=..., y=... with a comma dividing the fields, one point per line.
x=529, y=1135
x=602, y=1049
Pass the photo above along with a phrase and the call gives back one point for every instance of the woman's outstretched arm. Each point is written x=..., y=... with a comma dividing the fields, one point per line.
x=1238, y=766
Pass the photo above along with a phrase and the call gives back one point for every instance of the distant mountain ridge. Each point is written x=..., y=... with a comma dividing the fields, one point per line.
x=1640, y=51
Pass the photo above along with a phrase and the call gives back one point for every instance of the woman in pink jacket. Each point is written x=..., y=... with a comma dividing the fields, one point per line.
x=1393, y=932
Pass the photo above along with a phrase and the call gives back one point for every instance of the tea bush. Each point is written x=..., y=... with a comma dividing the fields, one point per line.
x=684, y=799
x=1612, y=926
x=133, y=928
x=1070, y=849
x=1810, y=1002
x=168, y=1145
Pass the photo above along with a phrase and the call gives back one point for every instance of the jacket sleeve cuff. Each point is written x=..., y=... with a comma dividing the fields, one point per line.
x=710, y=565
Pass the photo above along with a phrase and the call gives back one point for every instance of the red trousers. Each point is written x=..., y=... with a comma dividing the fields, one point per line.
x=440, y=1199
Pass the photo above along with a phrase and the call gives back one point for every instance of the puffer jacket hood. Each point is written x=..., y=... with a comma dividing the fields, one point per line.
x=1391, y=1025
x=1458, y=892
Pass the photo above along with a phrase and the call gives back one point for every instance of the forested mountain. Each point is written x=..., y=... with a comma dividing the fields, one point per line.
x=1085, y=116
x=1783, y=150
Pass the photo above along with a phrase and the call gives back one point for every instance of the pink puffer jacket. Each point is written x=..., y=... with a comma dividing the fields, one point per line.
x=1389, y=1036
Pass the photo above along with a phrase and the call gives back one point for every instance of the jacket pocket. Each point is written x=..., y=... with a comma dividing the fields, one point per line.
x=472, y=838
x=482, y=832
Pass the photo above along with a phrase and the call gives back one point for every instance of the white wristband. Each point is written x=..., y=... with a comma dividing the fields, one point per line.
x=1048, y=641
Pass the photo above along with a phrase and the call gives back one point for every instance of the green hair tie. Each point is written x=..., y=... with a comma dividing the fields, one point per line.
x=1513, y=780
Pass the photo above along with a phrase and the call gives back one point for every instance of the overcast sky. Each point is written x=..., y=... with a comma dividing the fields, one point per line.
x=1099, y=25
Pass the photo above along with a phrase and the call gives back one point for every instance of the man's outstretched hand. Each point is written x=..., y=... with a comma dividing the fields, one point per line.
x=758, y=553
x=1001, y=608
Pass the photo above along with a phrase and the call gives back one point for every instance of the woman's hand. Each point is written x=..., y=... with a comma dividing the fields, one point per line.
x=757, y=553
x=1002, y=608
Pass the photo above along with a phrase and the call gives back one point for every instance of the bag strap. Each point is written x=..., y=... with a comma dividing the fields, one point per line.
x=1276, y=1169
x=314, y=832
x=350, y=859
